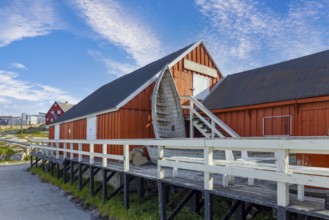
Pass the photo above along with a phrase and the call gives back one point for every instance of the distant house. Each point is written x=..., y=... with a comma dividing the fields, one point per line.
x=56, y=110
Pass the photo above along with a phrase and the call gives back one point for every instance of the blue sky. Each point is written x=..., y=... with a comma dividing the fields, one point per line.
x=65, y=49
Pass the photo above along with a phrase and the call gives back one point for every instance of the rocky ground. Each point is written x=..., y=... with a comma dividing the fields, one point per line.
x=10, y=152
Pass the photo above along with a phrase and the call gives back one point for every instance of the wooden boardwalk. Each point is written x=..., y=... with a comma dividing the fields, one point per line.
x=262, y=192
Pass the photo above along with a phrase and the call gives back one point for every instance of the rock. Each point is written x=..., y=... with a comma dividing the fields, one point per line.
x=18, y=156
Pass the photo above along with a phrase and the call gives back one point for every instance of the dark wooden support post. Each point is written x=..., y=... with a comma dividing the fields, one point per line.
x=80, y=176
x=31, y=161
x=282, y=213
x=71, y=172
x=91, y=179
x=126, y=190
x=195, y=203
x=43, y=164
x=57, y=170
x=104, y=186
x=232, y=210
x=240, y=213
x=181, y=205
x=162, y=199
x=140, y=187
x=52, y=168
x=36, y=162
x=208, y=206
x=65, y=170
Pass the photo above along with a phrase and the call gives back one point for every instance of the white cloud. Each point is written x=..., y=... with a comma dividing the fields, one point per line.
x=18, y=66
x=113, y=67
x=22, y=19
x=118, y=26
x=248, y=34
x=19, y=96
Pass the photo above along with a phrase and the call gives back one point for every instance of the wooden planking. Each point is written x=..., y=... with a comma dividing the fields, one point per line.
x=132, y=121
x=51, y=132
x=183, y=77
x=249, y=123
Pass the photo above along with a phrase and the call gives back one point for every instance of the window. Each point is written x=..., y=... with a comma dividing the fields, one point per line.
x=51, y=119
x=59, y=112
x=47, y=119
x=280, y=125
x=52, y=112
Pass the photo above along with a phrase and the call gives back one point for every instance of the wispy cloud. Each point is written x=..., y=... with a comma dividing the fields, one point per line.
x=18, y=95
x=118, y=26
x=18, y=66
x=248, y=34
x=115, y=68
x=22, y=19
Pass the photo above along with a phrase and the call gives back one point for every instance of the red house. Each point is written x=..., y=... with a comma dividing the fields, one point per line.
x=56, y=110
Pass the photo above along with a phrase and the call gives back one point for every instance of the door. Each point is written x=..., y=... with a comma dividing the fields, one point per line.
x=91, y=128
x=56, y=132
x=200, y=86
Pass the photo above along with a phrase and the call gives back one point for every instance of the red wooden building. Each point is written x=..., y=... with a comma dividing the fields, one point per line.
x=56, y=110
x=285, y=99
x=122, y=108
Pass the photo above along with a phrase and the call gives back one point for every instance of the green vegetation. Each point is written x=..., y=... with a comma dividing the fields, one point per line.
x=5, y=150
x=140, y=209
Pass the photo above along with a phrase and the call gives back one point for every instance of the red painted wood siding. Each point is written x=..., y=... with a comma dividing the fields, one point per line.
x=51, y=134
x=184, y=77
x=310, y=117
x=133, y=120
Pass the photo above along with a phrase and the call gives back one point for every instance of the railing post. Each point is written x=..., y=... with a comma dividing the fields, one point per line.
x=126, y=158
x=91, y=151
x=208, y=160
x=104, y=151
x=57, y=150
x=282, y=187
x=80, y=152
x=160, y=169
x=191, y=119
x=64, y=152
x=71, y=153
x=300, y=193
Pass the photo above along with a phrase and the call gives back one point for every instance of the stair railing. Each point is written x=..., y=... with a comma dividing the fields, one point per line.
x=214, y=120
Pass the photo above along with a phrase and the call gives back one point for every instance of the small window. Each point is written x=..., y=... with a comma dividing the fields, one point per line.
x=55, y=105
x=52, y=112
x=51, y=119
x=59, y=112
x=47, y=119
x=280, y=125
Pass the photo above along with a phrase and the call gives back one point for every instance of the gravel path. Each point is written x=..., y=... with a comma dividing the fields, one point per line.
x=24, y=196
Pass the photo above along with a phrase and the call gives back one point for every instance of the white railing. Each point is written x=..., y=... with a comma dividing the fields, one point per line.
x=214, y=120
x=281, y=172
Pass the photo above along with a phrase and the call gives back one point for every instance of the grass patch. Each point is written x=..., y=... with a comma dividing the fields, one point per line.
x=139, y=209
x=6, y=150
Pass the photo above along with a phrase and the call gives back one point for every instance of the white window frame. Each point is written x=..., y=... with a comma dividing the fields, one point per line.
x=278, y=116
x=59, y=112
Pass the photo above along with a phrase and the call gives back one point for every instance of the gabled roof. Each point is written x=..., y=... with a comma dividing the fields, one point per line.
x=64, y=106
x=118, y=92
x=299, y=78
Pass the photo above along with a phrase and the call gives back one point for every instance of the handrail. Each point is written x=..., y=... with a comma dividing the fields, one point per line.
x=213, y=117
